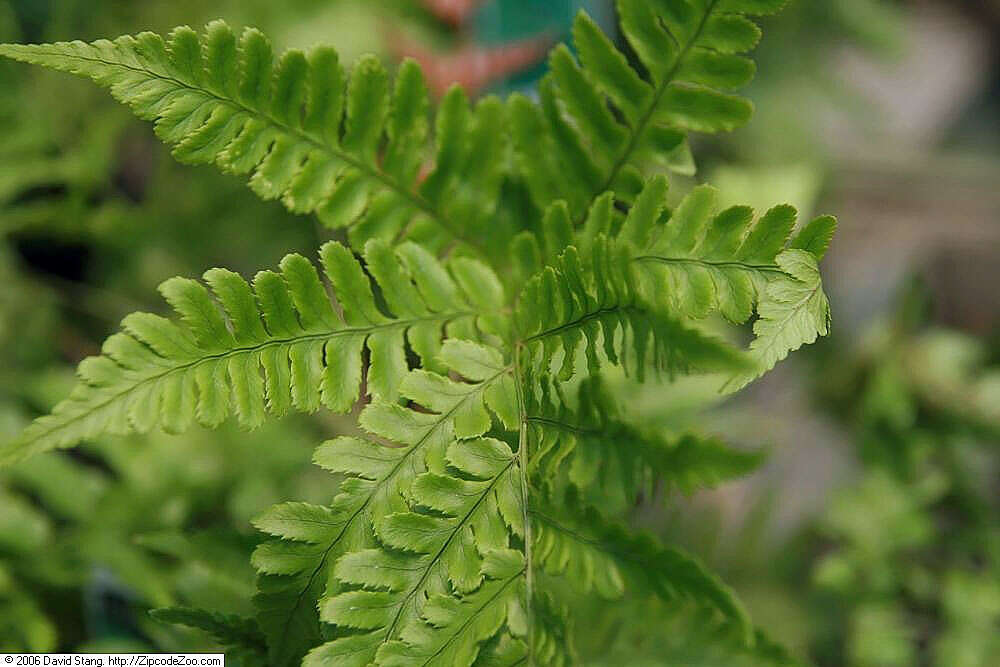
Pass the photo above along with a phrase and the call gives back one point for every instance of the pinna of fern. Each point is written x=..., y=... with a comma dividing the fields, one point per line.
x=602, y=122
x=347, y=149
x=275, y=347
x=470, y=502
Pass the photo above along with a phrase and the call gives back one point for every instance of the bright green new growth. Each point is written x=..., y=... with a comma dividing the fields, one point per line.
x=495, y=468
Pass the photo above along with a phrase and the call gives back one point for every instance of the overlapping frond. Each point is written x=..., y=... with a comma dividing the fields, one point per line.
x=597, y=556
x=612, y=462
x=601, y=119
x=348, y=148
x=685, y=634
x=273, y=347
x=594, y=304
x=389, y=558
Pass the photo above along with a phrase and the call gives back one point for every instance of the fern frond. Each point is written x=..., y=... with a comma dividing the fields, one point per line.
x=349, y=151
x=298, y=569
x=436, y=549
x=600, y=118
x=594, y=555
x=596, y=304
x=612, y=462
x=244, y=644
x=701, y=260
x=452, y=628
x=273, y=348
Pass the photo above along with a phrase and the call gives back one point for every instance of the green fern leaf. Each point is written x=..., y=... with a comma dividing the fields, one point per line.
x=298, y=569
x=596, y=305
x=594, y=555
x=300, y=129
x=503, y=651
x=793, y=313
x=552, y=641
x=437, y=547
x=274, y=347
x=452, y=628
x=600, y=118
x=701, y=260
x=613, y=463
x=451, y=540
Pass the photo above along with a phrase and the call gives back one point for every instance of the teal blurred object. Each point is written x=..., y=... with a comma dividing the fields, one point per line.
x=499, y=22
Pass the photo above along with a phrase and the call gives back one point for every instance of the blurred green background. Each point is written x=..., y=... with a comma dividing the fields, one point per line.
x=871, y=537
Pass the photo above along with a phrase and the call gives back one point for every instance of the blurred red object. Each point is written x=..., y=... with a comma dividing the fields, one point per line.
x=451, y=11
x=472, y=67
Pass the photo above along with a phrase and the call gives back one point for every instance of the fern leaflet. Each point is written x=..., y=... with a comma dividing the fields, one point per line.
x=275, y=347
x=222, y=99
x=601, y=120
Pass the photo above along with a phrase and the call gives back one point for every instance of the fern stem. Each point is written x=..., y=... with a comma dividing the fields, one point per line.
x=555, y=423
x=522, y=457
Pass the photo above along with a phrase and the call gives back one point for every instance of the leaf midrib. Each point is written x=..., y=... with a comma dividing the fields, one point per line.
x=712, y=264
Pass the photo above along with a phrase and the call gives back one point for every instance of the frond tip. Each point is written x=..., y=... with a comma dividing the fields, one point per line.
x=696, y=259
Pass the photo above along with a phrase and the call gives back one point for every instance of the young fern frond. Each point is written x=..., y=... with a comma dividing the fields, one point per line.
x=350, y=151
x=275, y=347
x=601, y=120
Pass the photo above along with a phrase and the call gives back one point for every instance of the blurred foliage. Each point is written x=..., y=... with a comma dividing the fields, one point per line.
x=907, y=559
